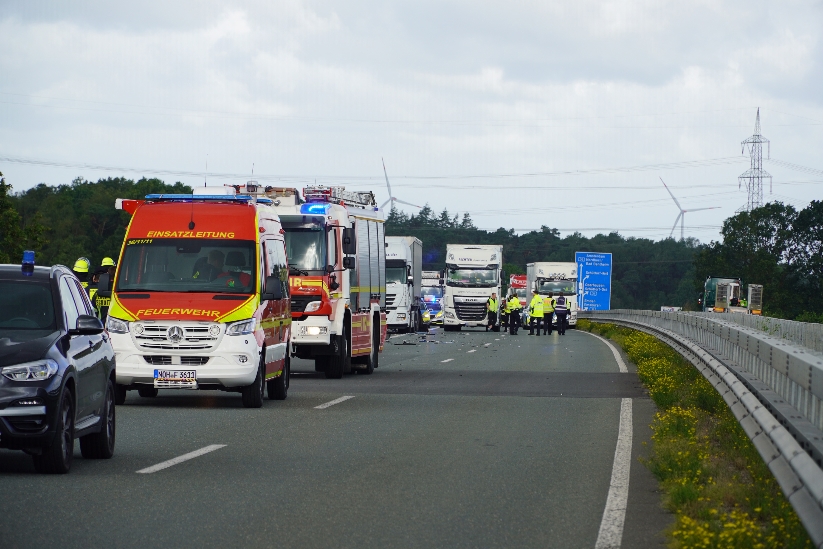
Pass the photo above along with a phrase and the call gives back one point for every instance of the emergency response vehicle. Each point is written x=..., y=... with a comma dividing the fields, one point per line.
x=431, y=292
x=337, y=265
x=200, y=298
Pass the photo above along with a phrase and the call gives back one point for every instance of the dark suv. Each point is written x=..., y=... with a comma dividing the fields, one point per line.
x=56, y=369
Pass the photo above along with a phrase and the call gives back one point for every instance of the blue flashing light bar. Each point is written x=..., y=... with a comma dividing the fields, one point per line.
x=28, y=262
x=314, y=208
x=206, y=198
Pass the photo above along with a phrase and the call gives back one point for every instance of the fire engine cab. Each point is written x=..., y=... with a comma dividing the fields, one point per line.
x=336, y=249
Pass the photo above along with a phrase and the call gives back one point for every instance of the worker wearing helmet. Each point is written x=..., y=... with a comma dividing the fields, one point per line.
x=101, y=304
x=81, y=271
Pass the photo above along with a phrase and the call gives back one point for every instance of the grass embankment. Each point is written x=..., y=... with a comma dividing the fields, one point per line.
x=712, y=477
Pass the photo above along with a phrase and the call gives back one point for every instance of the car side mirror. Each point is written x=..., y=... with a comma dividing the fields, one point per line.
x=348, y=263
x=103, y=286
x=273, y=290
x=87, y=325
x=410, y=280
x=349, y=242
x=329, y=269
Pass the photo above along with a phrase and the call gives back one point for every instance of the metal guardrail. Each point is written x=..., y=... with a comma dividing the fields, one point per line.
x=773, y=387
x=805, y=334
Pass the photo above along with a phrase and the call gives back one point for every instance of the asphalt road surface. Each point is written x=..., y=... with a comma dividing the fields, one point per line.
x=467, y=439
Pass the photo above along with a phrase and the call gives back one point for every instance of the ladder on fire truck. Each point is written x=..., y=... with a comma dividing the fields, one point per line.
x=324, y=193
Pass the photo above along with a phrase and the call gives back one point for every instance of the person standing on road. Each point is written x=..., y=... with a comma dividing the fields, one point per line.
x=491, y=307
x=513, y=305
x=536, y=312
x=81, y=271
x=561, y=309
x=548, y=313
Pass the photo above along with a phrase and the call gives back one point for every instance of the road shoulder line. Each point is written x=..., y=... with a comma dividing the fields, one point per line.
x=181, y=459
x=615, y=352
x=333, y=402
x=610, y=535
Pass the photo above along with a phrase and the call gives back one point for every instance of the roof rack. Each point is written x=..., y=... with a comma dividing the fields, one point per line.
x=323, y=193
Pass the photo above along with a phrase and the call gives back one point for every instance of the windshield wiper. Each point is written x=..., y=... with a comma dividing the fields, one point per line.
x=295, y=270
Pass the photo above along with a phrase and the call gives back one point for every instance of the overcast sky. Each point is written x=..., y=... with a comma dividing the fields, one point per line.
x=520, y=113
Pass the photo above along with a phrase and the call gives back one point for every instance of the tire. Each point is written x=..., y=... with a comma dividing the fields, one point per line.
x=253, y=394
x=56, y=458
x=278, y=388
x=101, y=445
x=147, y=391
x=321, y=363
x=119, y=394
x=338, y=362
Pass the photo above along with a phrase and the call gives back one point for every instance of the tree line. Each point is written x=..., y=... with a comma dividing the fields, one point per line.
x=776, y=245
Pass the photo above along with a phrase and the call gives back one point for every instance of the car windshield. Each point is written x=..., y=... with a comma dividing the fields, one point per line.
x=26, y=310
x=431, y=295
x=556, y=287
x=472, y=278
x=188, y=265
x=306, y=248
x=396, y=275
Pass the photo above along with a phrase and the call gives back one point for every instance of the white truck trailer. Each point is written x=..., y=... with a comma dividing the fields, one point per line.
x=557, y=278
x=473, y=273
x=404, y=270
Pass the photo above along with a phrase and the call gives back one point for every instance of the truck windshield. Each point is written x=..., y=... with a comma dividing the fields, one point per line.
x=520, y=293
x=472, y=278
x=306, y=248
x=557, y=287
x=188, y=265
x=396, y=275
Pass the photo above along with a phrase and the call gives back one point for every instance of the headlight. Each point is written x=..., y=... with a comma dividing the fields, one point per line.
x=427, y=317
x=117, y=326
x=313, y=306
x=401, y=316
x=449, y=314
x=31, y=371
x=439, y=314
x=242, y=327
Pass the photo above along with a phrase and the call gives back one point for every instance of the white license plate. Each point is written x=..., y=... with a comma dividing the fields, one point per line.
x=175, y=375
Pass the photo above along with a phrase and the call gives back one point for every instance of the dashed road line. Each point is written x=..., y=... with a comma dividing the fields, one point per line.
x=447, y=360
x=610, y=535
x=615, y=352
x=333, y=402
x=181, y=459
x=472, y=351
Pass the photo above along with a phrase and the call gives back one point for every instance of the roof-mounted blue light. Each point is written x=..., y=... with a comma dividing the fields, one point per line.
x=28, y=262
x=200, y=197
x=314, y=208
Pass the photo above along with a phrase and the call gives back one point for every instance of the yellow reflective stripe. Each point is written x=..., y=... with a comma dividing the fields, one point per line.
x=243, y=311
x=274, y=323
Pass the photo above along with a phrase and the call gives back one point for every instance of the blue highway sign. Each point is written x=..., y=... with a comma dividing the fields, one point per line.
x=594, y=281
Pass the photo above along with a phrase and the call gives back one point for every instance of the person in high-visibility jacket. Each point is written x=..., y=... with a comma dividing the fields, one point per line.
x=536, y=312
x=101, y=304
x=513, y=306
x=491, y=306
x=548, y=313
x=561, y=309
x=81, y=271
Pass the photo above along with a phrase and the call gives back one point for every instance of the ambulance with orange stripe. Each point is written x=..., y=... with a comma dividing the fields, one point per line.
x=200, y=298
x=336, y=249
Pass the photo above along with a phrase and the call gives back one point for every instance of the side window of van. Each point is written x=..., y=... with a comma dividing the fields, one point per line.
x=333, y=247
x=281, y=264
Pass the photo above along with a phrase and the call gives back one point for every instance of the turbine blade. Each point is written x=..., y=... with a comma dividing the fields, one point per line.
x=383, y=205
x=701, y=209
x=670, y=194
x=387, y=177
x=675, y=223
x=406, y=203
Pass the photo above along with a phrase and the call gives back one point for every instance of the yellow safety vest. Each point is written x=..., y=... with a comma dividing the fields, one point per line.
x=548, y=305
x=513, y=304
x=492, y=305
x=536, y=307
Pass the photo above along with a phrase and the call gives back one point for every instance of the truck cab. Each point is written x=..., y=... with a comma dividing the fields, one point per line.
x=555, y=278
x=473, y=273
x=404, y=262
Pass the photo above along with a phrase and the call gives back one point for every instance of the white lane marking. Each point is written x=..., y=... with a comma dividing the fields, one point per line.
x=447, y=360
x=610, y=535
x=615, y=352
x=333, y=402
x=181, y=459
x=486, y=344
x=498, y=339
x=472, y=351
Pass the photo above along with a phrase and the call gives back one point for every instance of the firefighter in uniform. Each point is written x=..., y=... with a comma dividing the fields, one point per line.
x=81, y=271
x=536, y=312
x=101, y=304
x=548, y=313
x=491, y=307
x=513, y=306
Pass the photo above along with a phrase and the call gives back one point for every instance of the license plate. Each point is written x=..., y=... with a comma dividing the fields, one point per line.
x=175, y=375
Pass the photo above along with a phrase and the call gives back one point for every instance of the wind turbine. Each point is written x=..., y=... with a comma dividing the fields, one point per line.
x=392, y=199
x=682, y=216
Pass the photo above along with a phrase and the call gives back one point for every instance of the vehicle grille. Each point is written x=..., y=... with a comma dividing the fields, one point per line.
x=155, y=336
x=390, y=298
x=299, y=302
x=470, y=311
x=165, y=360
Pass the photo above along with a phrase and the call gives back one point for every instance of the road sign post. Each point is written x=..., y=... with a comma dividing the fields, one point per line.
x=594, y=280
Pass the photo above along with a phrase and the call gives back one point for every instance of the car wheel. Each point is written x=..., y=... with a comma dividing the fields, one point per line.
x=253, y=394
x=56, y=458
x=338, y=362
x=147, y=391
x=279, y=387
x=120, y=394
x=101, y=445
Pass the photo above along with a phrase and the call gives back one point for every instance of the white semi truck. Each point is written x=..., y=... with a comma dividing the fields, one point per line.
x=473, y=273
x=557, y=278
x=404, y=268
